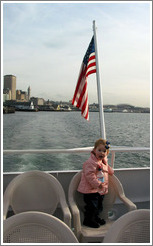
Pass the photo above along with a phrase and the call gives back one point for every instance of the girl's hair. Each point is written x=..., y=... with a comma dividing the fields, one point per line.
x=103, y=142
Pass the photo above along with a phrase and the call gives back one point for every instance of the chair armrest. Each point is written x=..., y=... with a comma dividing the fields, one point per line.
x=66, y=213
x=120, y=192
x=5, y=207
x=76, y=218
x=128, y=203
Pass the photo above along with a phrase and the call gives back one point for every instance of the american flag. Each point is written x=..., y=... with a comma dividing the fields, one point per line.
x=80, y=98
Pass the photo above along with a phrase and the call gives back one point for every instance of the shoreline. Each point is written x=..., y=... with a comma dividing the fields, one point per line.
x=10, y=111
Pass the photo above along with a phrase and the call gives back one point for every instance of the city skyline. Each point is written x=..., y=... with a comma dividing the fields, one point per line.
x=44, y=44
x=59, y=100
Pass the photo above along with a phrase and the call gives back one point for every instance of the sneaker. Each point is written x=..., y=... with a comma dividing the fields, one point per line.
x=91, y=223
x=100, y=221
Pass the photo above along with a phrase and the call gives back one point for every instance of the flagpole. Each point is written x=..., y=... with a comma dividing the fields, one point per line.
x=99, y=88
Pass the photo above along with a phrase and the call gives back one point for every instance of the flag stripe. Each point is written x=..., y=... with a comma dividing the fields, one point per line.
x=80, y=91
x=81, y=75
x=85, y=103
x=80, y=98
x=90, y=69
x=90, y=72
x=80, y=87
x=84, y=108
x=91, y=65
x=92, y=56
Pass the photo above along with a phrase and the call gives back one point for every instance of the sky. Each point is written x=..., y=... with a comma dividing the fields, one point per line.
x=44, y=44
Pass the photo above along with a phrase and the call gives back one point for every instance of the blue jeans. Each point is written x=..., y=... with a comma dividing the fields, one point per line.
x=94, y=205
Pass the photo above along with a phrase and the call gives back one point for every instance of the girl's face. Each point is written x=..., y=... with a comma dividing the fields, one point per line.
x=100, y=151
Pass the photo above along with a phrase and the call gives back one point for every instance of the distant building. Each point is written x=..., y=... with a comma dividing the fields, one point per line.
x=6, y=95
x=10, y=84
x=21, y=95
x=37, y=101
x=29, y=93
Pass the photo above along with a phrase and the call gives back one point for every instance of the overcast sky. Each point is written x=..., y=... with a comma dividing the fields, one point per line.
x=44, y=45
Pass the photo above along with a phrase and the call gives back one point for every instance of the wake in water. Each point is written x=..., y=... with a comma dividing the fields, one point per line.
x=44, y=130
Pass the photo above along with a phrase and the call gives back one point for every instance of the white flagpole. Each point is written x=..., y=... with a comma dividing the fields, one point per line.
x=99, y=88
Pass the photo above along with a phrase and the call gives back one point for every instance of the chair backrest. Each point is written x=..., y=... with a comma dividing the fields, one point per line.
x=34, y=191
x=78, y=197
x=133, y=227
x=110, y=197
x=36, y=227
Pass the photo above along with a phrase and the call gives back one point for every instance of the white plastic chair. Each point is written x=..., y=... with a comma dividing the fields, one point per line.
x=36, y=191
x=36, y=227
x=133, y=227
x=86, y=234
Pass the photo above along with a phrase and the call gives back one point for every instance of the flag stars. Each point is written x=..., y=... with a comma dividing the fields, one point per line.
x=90, y=49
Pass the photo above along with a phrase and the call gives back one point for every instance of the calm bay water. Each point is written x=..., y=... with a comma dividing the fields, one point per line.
x=45, y=130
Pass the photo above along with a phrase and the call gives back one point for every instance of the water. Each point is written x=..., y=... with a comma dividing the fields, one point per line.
x=46, y=130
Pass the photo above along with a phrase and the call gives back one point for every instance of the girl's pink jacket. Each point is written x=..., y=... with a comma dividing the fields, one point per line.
x=89, y=182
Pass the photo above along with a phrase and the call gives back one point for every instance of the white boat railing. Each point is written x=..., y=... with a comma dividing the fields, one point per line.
x=113, y=150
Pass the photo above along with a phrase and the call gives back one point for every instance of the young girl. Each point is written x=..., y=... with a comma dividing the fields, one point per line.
x=94, y=183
